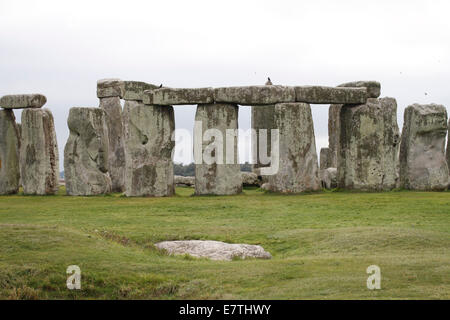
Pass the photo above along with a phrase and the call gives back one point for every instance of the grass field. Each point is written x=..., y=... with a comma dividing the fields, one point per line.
x=321, y=246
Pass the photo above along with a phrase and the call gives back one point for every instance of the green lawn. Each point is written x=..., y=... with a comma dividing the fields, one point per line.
x=321, y=245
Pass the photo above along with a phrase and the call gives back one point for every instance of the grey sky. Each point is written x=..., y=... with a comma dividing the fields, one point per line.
x=61, y=48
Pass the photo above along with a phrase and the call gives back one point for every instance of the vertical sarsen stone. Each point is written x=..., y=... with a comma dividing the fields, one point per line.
x=448, y=149
x=116, y=156
x=334, y=132
x=148, y=131
x=262, y=119
x=325, y=158
x=422, y=154
x=220, y=177
x=86, y=153
x=9, y=153
x=368, y=149
x=298, y=165
x=39, y=160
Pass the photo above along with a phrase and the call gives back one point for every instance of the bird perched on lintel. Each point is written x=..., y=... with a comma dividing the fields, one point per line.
x=268, y=82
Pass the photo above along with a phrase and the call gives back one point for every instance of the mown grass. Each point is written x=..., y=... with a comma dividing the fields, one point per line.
x=321, y=245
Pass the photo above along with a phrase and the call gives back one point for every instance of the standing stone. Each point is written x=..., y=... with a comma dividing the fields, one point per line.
x=19, y=128
x=263, y=122
x=39, y=160
x=325, y=156
x=448, y=149
x=86, y=153
x=148, y=131
x=422, y=154
x=369, y=142
x=334, y=132
x=217, y=169
x=298, y=165
x=116, y=154
x=373, y=91
x=9, y=153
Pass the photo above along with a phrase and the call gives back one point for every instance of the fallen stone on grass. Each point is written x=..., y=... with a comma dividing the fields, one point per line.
x=266, y=186
x=214, y=250
x=181, y=181
x=328, y=178
x=250, y=179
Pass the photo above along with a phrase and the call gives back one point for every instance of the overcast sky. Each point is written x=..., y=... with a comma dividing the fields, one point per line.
x=61, y=48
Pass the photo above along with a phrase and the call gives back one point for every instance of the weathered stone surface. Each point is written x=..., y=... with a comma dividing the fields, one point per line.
x=116, y=150
x=422, y=154
x=9, y=153
x=325, y=95
x=448, y=149
x=263, y=121
x=266, y=186
x=39, y=160
x=181, y=181
x=369, y=142
x=250, y=179
x=216, y=174
x=177, y=96
x=298, y=165
x=334, y=133
x=325, y=158
x=86, y=153
x=134, y=90
x=19, y=129
x=23, y=101
x=148, y=133
x=110, y=88
x=328, y=178
x=373, y=87
x=255, y=95
x=263, y=178
x=214, y=250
